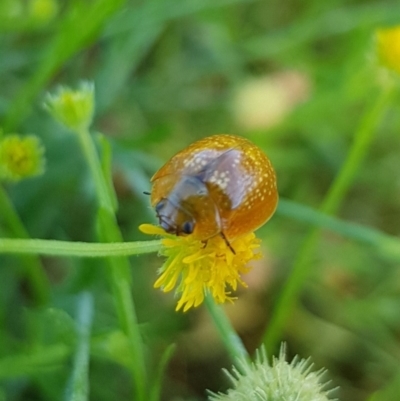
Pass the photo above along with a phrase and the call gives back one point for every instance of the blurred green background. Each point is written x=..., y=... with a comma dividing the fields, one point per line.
x=295, y=77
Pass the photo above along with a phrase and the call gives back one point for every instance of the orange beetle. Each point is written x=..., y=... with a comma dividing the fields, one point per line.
x=222, y=184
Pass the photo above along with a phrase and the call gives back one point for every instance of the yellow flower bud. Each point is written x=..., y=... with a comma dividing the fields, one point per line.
x=72, y=108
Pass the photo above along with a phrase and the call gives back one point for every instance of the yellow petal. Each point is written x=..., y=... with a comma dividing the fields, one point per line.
x=151, y=230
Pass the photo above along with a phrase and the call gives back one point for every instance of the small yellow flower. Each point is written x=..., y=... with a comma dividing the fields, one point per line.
x=73, y=108
x=388, y=47
x=21, y=157
x=195, y=267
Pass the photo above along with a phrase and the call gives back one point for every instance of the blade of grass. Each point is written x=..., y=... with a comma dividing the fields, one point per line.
x=33, y=268
x=386, y=245
x=155, y=393
x=78, y=388
x=336, y=21
x=302, y=265
x=90, y=18
x=138, y=29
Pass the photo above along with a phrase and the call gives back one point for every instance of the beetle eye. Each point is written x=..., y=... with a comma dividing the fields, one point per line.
x=187, y=227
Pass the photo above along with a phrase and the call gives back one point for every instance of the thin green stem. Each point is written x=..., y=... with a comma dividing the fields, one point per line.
x=308, y=215
x=78, y=388
x=362, y=142
x=76, y=249
x=33, y=267
x=155, y=393
x=119, y=266
x=302, y=266
x=229, y=337
x=93, y=161
x=386, y=245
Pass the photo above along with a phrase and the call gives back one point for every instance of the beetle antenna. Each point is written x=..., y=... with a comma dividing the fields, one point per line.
x=227, y=242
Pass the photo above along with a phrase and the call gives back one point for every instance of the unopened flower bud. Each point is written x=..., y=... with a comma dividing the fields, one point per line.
x=72, y=108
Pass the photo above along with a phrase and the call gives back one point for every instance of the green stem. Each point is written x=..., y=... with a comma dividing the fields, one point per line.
x=76, y=249
x=78, y=389
x=302, y=266
x=155, y=393
x=33, y=267
x=386, y=245
x=362, y=142
x=119, y=266
x=93, y=161
x=229, y=337
x=308, y=215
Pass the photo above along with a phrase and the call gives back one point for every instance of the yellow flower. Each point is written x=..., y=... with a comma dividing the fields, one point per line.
x=195, y=267
x=73, y=108
x=21, y=157
x=388, y=47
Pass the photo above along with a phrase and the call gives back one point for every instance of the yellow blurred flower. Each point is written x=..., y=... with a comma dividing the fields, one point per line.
x=266, y=101
x=21, y=157
x=388, y=47
x=195, y=267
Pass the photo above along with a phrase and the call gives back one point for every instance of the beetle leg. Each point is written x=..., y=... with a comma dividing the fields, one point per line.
x=227, y=242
